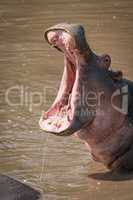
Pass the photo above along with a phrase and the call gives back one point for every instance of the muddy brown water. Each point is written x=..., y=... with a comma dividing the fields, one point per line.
x=29, y=75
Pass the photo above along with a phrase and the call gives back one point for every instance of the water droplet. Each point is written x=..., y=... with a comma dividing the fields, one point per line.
x=114, y=17
x=31, y=131
x=98, y=183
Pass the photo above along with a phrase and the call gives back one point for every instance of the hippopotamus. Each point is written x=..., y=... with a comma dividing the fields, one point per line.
x=11, y=189
x=94, y=103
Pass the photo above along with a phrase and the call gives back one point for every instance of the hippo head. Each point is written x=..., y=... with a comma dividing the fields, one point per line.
x=63, y=117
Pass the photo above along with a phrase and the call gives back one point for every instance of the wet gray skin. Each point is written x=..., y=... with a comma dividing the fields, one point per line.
x=11, y=189
x=96, y=108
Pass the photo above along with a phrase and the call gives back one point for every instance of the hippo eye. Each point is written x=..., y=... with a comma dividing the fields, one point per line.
x=106, y=60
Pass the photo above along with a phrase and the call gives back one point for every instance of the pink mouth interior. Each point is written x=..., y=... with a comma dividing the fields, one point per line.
x=58, y=118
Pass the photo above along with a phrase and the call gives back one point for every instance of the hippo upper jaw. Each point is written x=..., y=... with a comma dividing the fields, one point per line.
x=75, y=31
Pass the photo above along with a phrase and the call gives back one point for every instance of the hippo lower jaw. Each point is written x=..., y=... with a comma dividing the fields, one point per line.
x=61, y=119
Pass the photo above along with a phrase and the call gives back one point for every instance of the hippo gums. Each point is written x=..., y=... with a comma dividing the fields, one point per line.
x=94, y=103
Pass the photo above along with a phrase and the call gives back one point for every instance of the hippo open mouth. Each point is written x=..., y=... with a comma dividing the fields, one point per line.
x=62, y=117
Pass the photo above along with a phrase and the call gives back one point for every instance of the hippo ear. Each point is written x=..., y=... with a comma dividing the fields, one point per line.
x=106, y=61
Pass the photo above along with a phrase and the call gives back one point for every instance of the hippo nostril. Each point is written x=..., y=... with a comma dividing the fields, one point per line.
x=52, y=37
x=54, y=40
